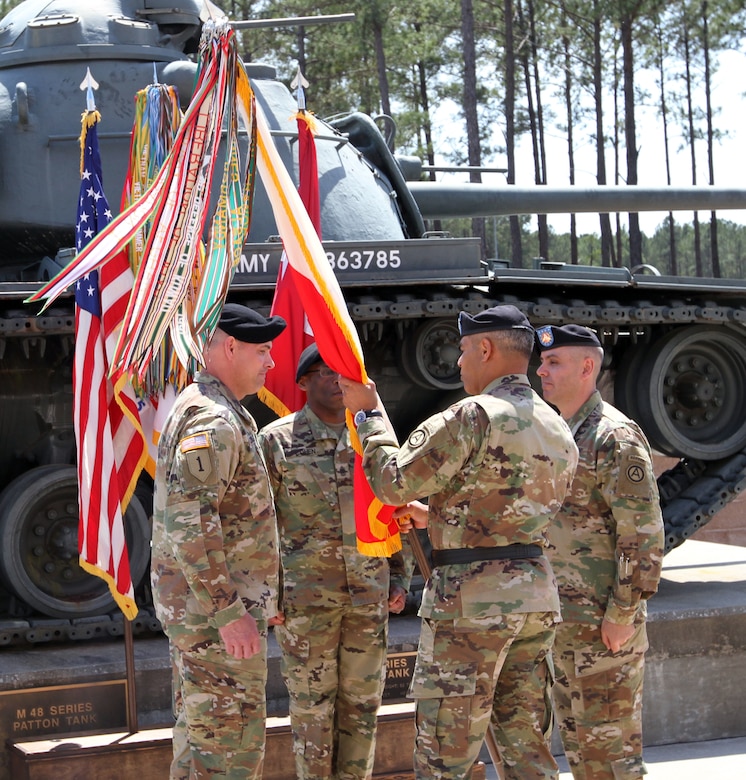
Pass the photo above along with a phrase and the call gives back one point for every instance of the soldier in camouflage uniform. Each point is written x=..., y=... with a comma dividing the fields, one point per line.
x=215, y=559
x=606, y=547
x=335, y=600
x=496, y=467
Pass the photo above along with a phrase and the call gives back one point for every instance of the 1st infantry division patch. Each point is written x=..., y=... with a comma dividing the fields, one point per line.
x=197, y=451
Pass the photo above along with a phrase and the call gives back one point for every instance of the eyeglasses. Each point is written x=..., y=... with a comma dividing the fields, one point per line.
x=324, y=372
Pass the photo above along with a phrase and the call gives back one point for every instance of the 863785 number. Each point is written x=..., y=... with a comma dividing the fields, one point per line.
x=356, y=260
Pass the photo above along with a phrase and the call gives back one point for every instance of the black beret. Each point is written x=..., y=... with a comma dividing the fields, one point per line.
x=551, y=336
x=248, y=325
x=308, y=357
x=506, y=317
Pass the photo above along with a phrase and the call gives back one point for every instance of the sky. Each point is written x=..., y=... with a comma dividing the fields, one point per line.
x=729, y=88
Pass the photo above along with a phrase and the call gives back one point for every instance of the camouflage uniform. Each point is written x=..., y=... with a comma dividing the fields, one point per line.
x=496, y=467
x=214, y=559
x=335, y=600
x=606, y=547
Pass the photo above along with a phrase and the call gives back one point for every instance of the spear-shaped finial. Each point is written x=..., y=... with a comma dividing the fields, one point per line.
x=89, y=84
x=210, y=12
x=155, y=75
x=298, y=84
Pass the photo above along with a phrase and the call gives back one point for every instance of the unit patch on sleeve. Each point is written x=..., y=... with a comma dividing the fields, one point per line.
x=197, y=452
x=634, y=477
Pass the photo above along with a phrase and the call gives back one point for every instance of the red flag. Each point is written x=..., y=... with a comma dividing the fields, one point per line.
x=111, y=449
x=281, y=392
x=325, y=307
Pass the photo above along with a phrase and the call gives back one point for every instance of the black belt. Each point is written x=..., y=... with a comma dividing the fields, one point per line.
x=474, y=554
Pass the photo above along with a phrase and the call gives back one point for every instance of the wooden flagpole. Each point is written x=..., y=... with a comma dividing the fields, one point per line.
x=129, y=656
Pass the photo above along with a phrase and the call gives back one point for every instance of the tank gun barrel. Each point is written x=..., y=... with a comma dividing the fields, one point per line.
x=292, y=21
x=445, y=200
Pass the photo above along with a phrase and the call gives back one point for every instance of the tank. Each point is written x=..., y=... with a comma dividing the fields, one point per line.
x=676, y=348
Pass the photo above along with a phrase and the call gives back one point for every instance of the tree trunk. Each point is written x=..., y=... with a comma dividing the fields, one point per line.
x=635, y=237
x=470, y=109
x=427, y=127
x=672, y=265
x=710, y=142
x=541, y=153
x=698, y=270
x=607, y=244
x=515, y=225
x=383, y=81
x=570, y=130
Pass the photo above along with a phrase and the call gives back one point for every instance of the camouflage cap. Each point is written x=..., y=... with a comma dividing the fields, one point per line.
x=505, y=317
x=551, y=336
x=308, y=357
x=248, y=325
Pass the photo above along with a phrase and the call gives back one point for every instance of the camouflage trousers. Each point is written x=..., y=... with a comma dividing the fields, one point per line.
x=220, y=709
x=471, y=671
x=334, y=665
x=598, y=702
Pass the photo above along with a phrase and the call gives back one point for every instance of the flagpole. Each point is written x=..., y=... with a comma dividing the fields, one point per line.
x=129, y=659
x=88, y=86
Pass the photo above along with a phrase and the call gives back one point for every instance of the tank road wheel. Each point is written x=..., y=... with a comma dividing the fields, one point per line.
x=39, y=545
x=430, y=353
x=627, y=381
x=692, y=393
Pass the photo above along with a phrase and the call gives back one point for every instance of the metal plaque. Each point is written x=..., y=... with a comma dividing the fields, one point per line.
x=63, y=709
x=399, y=671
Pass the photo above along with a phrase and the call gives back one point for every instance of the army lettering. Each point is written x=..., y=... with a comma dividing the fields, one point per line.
x=252, y=265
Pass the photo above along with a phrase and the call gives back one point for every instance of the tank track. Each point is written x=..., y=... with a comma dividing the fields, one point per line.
x=694, y=491
x=547, y=311
x=39, y=630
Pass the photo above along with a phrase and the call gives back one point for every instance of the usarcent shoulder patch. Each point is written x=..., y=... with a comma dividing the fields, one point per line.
x=197, y=451
x=417, y=438
x=634, y=479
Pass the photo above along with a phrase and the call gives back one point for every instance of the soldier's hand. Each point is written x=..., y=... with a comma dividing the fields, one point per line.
x=412, y=514
x=277, y=620
x=614, y=636
x=241, y=637
x=397, y=599
x=358, y=396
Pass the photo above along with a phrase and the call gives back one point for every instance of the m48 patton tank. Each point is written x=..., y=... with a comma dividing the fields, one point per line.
x=676, y=347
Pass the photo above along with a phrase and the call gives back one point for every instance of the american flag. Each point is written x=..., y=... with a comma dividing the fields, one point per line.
x=111, y=446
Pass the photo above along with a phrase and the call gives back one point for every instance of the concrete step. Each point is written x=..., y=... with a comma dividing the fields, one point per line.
x=695, y=686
